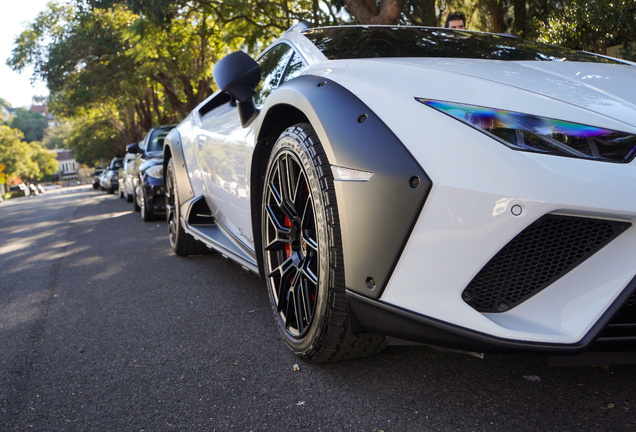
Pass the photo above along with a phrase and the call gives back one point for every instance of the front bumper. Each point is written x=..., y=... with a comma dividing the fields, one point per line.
x=377, y=316
x=155, y=195
x=483, y=196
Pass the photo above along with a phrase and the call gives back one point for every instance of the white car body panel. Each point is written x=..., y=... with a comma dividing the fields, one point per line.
x=225, y=152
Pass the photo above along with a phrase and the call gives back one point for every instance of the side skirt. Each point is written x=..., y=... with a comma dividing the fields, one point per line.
x=217, y=238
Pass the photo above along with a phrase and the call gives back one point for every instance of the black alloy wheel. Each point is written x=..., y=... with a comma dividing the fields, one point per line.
x=291, y=243
x=147, y=215
x=302, y=252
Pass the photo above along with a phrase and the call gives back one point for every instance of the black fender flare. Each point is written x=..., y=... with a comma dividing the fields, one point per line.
x=376, y=216
x=173, y=148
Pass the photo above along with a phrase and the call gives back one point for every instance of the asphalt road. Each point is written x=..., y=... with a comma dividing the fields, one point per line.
x=103, y=328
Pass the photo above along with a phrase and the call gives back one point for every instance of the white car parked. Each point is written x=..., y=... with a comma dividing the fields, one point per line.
x=456, y=188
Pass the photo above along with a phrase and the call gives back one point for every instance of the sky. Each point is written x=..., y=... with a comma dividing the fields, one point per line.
x=16, y=88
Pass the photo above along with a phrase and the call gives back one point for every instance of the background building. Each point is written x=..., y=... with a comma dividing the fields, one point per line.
x=68, y=166
x=44, y=110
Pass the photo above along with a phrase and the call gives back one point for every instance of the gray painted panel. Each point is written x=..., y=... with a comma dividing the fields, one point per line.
x=376, y=216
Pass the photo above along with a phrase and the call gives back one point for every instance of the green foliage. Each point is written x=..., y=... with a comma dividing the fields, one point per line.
x=32, y=124
x=581, y=24
x=128, y=73
x=56, y=137
x=93, y=138
x=15, y=154
x=45, y=159
x=29, y=161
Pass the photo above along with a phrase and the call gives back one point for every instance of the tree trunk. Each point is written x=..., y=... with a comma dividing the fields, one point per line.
x=423, y=13
x=521, y=18
x=366, y=12
x=496, y=10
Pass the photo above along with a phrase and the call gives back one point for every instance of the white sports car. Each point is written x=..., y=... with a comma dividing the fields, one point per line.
x=461, y=189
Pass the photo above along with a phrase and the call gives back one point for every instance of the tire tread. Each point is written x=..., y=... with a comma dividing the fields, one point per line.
x=337, y=342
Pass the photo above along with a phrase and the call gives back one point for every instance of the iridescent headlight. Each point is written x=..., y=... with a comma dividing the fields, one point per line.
x=543, y=135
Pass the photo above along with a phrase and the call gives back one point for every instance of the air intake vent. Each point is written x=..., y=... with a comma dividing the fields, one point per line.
x=537, y=257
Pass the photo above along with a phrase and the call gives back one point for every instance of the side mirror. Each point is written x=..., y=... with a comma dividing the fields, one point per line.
x=133, y=148
x=237, y=74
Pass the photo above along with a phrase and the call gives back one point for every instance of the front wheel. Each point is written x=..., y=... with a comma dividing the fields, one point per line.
x=182, y=243
x=136, y=205
x=147, y=215
x=302, y=251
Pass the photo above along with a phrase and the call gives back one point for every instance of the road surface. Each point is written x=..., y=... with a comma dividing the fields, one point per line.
x=103, y=328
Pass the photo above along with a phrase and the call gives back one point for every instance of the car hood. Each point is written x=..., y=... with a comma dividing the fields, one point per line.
x=525, y=86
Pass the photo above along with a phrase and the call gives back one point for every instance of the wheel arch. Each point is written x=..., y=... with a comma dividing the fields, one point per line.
x=277, y=118
x=354, y=137
x=173, y=148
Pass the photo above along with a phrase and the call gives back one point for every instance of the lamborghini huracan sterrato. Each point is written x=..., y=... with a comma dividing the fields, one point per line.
x=461, y=189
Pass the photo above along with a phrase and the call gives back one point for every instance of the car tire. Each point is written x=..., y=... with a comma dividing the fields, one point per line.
x=182, y=243
x=146, y=214
x=121, y=192
x=128, y=197
x=302, y=252
x=136, y=206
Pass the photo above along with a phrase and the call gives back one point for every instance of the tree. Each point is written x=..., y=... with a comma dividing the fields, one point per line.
x=581, y=24
x=369, y=12
x=15, y=154
x=113, y=65
x=93, y=139
x=45, y=159
x=32, y=124
x=56, y=137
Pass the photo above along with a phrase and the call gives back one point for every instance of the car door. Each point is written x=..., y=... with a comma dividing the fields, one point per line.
x=225, y=150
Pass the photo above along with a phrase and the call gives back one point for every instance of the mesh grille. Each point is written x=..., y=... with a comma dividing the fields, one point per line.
x=537, y=257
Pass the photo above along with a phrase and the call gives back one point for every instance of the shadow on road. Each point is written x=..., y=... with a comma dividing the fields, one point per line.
x=102, y=327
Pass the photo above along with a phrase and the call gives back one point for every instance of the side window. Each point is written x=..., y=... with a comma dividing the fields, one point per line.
x=272, y=68
x=296, y=66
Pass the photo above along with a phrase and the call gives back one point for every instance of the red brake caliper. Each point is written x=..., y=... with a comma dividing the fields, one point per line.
x=287, y=246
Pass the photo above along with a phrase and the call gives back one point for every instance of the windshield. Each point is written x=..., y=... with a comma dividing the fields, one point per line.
x=156, y=141
x=377, y=42
x=116, y=164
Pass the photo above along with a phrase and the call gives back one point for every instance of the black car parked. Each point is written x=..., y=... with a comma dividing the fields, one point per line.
x=148, y=190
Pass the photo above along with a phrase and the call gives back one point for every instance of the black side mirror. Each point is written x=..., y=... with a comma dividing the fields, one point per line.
x=237, y=74
x=133, y=148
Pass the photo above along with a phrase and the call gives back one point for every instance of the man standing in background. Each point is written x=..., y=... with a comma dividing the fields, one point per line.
x=456, y=20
